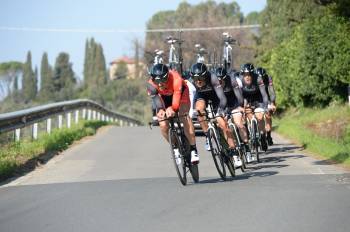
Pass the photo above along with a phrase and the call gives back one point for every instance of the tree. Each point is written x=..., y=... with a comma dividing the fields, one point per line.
x=9, y=72
x=46, y=90
x=64, y=80
x=29, y=88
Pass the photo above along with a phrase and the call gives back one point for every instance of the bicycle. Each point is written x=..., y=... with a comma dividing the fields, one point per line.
x=175, y=62
x=227, y=50
x=218, y=146
x=255, y=137
x=178, y=140
x=242, y=153
x=158, y=58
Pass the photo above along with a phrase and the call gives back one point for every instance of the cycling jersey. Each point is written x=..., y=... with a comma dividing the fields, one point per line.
x=270, y=90
x=212, y=91
x=173, y=93
x=255, y=93
x=232, y=92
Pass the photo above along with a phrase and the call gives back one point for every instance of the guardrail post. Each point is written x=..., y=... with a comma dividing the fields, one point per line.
x=121, y=123
x=98, y=116
x=59, y=121
x=68, y=117
x=17, y=134
x=107, y=118
x=93, y=115
x=89, y=114
x=48, y=125
x=76, y=117
x=84, y=114
x=35, y=131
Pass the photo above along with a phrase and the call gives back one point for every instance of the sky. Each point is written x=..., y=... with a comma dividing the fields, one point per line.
x=80, y=14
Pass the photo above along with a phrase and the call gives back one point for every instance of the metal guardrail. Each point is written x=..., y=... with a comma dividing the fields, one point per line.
x=82, y=109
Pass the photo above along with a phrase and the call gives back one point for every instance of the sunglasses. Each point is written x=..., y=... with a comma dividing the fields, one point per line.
x=198, y=78
x=160, y=79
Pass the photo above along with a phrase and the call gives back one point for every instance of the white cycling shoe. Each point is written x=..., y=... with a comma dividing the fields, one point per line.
x=237, y=161
x=207, y=145
x=194, y=157
x=177, y=156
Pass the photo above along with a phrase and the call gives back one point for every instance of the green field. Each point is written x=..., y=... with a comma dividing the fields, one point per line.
x=324, y=132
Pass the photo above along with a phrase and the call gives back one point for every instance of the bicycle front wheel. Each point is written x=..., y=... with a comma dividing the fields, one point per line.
x=216, y=152
x=179, y=162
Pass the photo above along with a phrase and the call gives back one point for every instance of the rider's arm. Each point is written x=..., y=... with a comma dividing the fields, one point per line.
x=263, y=92
x=219, y=92
x=271, y=90
x=237, y=90
x=157, y=102
x=177, y=86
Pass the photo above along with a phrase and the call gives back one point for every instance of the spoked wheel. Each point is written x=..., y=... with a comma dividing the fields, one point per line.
x=194, y=172
x=255, y=142
x=230, y=165
x=216, y=152
x=242, y=156
x=180, y=165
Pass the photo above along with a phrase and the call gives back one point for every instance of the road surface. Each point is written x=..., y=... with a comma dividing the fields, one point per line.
x=123, y=180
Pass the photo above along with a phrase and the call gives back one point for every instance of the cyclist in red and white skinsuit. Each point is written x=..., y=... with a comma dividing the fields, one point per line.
x=170, y=94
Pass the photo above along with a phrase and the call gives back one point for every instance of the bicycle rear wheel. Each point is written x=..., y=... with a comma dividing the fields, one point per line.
x=255, y=141
x=194, y=172
x=241, y=155
x=216, y=152
x=230, y=166
x=180, y=167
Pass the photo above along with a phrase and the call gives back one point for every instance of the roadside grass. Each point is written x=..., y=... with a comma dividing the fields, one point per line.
x=17, y=157
x=325, y=132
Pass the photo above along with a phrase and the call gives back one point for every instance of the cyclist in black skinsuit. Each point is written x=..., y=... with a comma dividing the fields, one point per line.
x=234, y=95
x=272, y=101
x=255, y=97
x=208, y=88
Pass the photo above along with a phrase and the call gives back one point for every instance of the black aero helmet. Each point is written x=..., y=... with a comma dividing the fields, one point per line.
x=221, y=73
x=247, y=68
x=260, y=72
x=199, y=71
x=159, y=73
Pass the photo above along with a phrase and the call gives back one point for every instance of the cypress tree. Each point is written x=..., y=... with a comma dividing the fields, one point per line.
x=46, y=79
x=28, y=80
x=64, y=80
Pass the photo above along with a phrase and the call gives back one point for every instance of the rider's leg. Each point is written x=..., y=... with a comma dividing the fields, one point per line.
x=188, y=125
x=238, y=120
x=200, y=108
x=227, y=132
x=164, y=125
x=260, y=117
x=268, y=127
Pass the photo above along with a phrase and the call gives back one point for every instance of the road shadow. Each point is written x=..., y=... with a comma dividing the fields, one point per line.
x=243, y=176
x=339, y=158
x=278, y=159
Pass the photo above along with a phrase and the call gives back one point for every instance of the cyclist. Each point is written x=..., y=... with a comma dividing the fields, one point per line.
x=233, y=92
x=255, y=98
x=209, y=89
x=170, y=94
x=270, y=90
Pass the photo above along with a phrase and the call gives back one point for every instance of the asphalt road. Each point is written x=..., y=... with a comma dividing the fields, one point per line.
x=123, y=180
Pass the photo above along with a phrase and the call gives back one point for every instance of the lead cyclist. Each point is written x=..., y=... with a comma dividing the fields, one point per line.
x=170, y=94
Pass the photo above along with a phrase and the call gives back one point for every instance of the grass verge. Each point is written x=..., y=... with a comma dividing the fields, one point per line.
x=325, y=132
x=19, y=157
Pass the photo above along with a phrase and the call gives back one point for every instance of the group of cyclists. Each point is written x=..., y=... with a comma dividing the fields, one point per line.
x=240, y=95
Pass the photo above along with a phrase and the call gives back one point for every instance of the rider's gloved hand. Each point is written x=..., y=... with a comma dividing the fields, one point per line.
x=161, y=114
x=170, y=112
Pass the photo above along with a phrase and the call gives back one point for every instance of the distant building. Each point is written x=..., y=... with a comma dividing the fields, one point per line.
x=130, y=72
